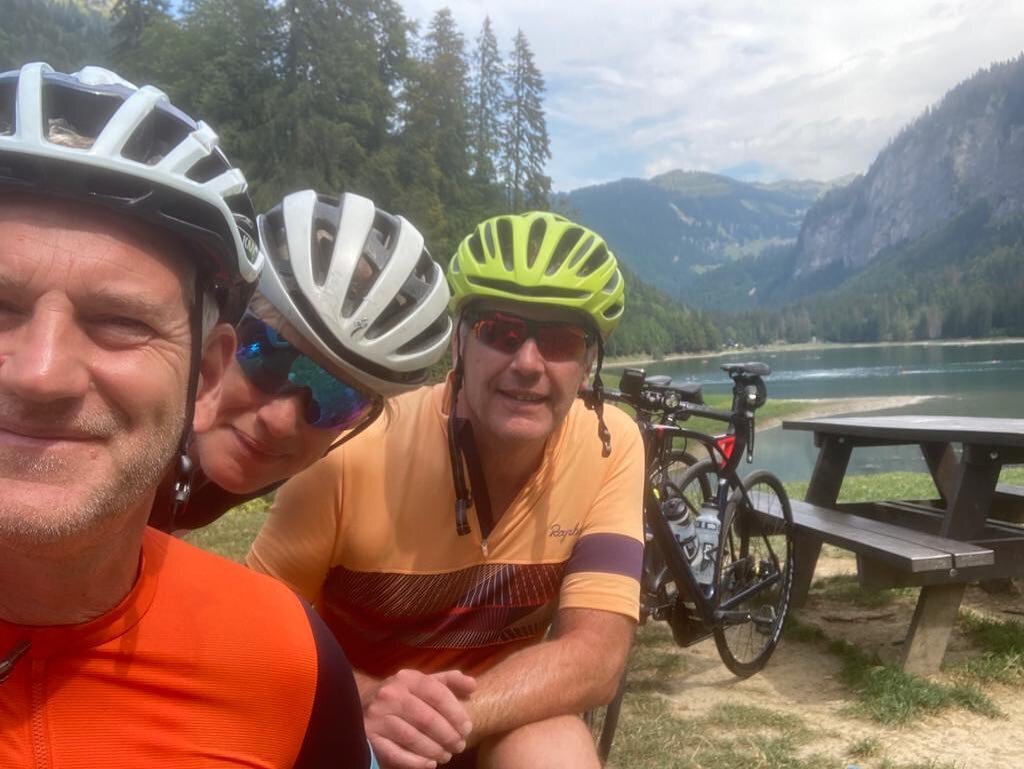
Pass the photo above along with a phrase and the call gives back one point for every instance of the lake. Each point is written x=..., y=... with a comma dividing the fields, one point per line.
x=971, y=379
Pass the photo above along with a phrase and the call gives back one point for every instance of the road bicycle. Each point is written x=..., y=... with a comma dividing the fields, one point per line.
x=718, y=558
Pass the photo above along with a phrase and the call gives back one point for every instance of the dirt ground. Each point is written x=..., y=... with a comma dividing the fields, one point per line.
x=802, y=680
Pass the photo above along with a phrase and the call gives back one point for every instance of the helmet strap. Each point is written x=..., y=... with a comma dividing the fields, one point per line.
x=462, y=496
x=181, y=487
x=598, y=403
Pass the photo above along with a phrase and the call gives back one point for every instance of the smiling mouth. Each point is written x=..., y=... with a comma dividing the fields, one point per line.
x=256, y=447
x=524, y=397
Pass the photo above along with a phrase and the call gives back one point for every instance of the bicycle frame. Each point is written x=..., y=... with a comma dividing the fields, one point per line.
x=659, y=438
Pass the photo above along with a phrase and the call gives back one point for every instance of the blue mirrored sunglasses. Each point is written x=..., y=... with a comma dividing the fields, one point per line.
x=274, y=366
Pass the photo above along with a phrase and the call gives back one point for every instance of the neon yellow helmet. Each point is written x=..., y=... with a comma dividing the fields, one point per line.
x=539, y=258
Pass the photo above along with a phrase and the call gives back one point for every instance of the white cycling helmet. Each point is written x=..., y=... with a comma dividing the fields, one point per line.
x=140, y=156
x=359, y=285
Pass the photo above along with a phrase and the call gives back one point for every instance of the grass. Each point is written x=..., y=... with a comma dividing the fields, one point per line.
x=845, y=589
x=898, y=485
x=1002, y=647
x=232, y=533
x=655, y=734
x=887, y=695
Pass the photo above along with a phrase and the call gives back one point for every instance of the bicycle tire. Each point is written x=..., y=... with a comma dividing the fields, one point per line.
x=755, y=553
x=603, y=721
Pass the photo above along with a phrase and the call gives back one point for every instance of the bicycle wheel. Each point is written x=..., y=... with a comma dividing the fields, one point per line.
x=754, y=573
x=604, y=720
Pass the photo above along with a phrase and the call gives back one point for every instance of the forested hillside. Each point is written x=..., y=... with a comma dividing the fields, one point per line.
x=677, y=226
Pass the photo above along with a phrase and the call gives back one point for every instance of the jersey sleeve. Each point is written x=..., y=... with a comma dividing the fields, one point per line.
x=603, y=571
x=297, y=542
x=334, y=735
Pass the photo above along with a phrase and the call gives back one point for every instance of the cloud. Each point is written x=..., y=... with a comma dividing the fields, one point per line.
x=803, y=89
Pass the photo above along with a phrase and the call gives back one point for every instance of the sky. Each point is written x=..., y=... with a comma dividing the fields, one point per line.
x=758, y=90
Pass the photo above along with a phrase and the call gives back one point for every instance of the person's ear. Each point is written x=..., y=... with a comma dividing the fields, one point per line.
x=218, y=356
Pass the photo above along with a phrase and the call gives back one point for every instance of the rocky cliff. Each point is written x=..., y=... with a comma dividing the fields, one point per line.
x=969, y=148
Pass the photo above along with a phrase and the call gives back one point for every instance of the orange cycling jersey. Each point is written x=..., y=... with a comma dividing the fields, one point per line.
x=203, y=664
x=368, y=534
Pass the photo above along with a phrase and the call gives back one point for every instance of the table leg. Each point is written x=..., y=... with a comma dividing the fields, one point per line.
x=934, y=616
x=943, y=465
x=826, y=481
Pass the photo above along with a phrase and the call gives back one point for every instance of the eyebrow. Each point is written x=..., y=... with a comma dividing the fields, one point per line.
x=99, y=297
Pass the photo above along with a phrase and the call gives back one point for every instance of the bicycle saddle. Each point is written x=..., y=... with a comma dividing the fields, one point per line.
x=750, y=369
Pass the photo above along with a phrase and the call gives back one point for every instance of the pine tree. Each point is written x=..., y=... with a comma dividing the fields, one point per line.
x=131, y=19
x=488, y=104
x=526, y=147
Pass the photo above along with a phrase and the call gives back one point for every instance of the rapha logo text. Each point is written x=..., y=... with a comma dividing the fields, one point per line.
x=560, y=533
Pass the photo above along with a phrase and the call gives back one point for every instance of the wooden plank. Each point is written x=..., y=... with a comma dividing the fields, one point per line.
x=862, y=535
x=972, y=496
x=934, y=615
x=919, y=429
x=1009, y=563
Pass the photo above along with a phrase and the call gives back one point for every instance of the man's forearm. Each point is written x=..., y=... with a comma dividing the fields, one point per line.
x=576, y=671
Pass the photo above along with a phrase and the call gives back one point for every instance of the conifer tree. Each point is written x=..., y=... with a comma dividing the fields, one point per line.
x=527, y=147
x=487, y=105
x=131, y=19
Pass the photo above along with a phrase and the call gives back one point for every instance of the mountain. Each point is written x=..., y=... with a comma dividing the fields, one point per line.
x=683, y=223
x=967, y=149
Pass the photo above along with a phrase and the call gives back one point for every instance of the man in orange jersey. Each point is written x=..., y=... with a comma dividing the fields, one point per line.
x=444, y=616
x=126, y=238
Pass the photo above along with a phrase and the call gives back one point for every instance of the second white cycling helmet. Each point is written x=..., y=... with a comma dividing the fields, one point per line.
x=358, y=283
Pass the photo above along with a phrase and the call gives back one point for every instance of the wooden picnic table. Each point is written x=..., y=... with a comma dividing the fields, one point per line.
x=940, y=544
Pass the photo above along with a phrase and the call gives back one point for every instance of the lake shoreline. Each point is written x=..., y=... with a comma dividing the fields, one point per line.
x=827, y=407
x=775, y=348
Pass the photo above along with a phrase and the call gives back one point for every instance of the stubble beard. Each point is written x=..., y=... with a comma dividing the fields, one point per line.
x=136, y=470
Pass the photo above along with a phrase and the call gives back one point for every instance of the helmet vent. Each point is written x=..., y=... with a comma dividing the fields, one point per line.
x=563, y=248
x=611, y=285
x=363, y=278
x=157, y=135
x=613, y=312
x=427, y=338
x=397, y=310
x=476, y=247
x=7, y=91
x=70, y=111
x=323, y=247
x=206, y=169
x=488, y=241
x=534, y=241
x=516, y=289
x=595, y=260
x=506, y=243
x=582, y=250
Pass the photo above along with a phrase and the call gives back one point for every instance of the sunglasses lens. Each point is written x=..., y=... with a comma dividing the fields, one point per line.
x=273, y=366
x=561, y=343
x=265, y=365
x=332, y=403
x=555, y=341
x=503, y=334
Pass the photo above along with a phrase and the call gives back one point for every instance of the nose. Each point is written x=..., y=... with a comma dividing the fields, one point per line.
x=283, y=414
x=527, y=359
x=46, y=359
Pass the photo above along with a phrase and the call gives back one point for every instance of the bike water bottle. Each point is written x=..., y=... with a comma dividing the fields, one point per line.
x=680, y=520
x=707, y=525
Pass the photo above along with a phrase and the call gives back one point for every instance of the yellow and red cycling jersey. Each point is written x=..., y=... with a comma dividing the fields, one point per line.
x=203, y=665
x=368, y=535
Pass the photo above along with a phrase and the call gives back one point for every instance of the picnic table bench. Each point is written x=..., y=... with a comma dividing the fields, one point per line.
x=966, y=534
